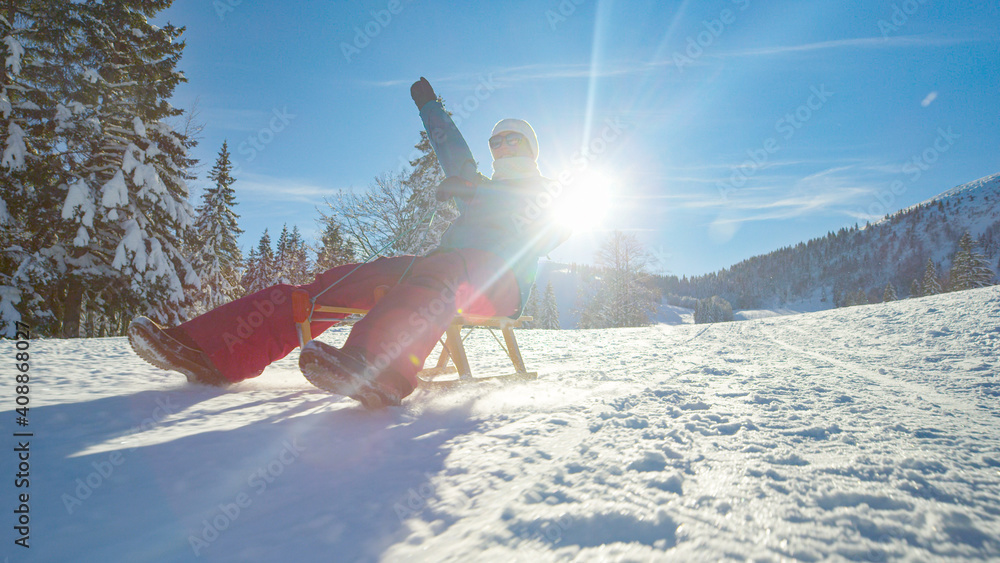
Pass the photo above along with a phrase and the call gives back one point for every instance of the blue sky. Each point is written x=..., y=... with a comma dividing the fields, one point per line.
x=724, y=128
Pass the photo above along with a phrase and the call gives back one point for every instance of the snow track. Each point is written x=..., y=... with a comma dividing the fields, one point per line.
x=862, y=434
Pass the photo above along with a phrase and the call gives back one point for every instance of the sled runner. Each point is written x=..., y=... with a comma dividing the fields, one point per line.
x=453, y=347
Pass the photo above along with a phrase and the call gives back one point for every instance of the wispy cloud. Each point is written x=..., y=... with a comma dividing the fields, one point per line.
x=852, y=43
x=265, y=188
x=508, y=76
x=838, y=190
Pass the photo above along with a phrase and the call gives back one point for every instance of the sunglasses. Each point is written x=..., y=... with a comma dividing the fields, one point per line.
x=512, y=139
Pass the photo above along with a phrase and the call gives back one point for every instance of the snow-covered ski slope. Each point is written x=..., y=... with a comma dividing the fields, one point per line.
x=863, y=434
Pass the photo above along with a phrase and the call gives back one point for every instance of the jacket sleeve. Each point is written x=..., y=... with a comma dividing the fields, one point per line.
x=450, y=147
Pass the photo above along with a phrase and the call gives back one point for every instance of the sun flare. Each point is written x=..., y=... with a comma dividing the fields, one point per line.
x=585, y=203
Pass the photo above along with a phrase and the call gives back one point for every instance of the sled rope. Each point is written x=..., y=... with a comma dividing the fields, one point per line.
x=432, y=214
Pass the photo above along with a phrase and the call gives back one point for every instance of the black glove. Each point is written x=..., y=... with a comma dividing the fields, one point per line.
x=421, y=92
x=455, y=186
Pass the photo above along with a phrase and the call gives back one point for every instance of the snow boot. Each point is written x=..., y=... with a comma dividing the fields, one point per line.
x=346, y=372
x=151, y=343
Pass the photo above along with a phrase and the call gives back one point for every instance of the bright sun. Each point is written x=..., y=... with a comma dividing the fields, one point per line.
x=585, y=203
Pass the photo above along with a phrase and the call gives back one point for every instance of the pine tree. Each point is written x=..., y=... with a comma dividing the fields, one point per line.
x=84, y=113
x=889, y=294
x=281, y=256
x=422, y=184
x=251, y=269
x=334, y=250
x=549, y=309
x=861, y=298
x=298, y=266
x=915, y=288
x=930, y=284
x=969, y=268
x=261, y=272
x=531, y=308
x=218, y=258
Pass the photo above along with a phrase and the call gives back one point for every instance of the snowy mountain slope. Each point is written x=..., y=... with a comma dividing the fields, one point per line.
x=866, y=433
x=986, y=186
x=894, y=249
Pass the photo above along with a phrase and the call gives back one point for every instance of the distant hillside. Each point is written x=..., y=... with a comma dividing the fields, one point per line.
x=894, y=249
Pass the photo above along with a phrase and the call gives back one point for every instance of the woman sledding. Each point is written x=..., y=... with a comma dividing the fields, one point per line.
x=484, y=266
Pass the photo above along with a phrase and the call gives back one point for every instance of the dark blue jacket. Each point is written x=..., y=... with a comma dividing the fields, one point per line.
x=510, y=218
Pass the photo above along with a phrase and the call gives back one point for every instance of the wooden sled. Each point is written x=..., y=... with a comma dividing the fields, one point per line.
x=452, y=366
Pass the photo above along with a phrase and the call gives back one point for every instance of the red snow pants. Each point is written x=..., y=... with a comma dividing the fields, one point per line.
x=244, y=336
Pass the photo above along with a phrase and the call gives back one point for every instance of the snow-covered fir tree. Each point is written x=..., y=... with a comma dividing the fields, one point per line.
x=334, y=250
x=969, y=268
x=260, y=269
x=291, y=258
x=218, y=259
x=422, y=183
x=282, y=254
x=889, y=293
x=930, y=284
x=549, y=310
x=531, y=308
x=85, y=132
x=298, y=267
x=915, y=288
x=860, y=297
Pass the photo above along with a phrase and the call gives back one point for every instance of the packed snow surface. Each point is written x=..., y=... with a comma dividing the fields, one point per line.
x=863, y=434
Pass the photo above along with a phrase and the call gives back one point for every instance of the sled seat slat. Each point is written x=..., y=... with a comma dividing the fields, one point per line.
x=453, y=349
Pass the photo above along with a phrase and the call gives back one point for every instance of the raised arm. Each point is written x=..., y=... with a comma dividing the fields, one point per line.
x=450, y=147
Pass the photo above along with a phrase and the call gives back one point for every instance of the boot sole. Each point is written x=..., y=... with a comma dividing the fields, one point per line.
x=144, y=344
x=322, y=367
